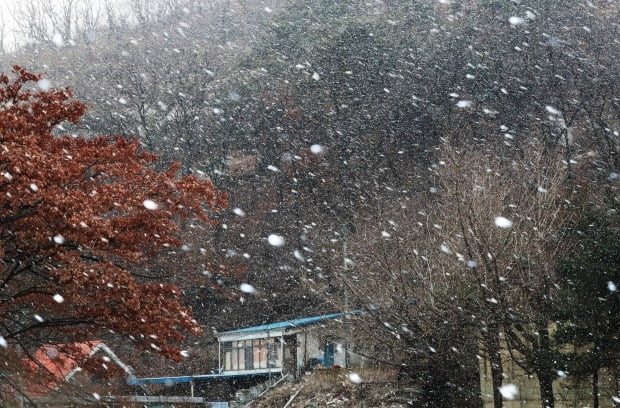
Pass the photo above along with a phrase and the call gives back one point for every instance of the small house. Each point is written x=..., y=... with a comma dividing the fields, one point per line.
x=286, y=347
x=259, y=355
x=56, y=372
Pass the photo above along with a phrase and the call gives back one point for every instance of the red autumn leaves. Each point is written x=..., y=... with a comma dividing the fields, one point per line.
x=76, y=215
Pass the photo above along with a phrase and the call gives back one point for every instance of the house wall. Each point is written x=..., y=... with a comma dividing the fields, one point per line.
x=340, y=355
x=568, y=392
x=311, y=345
x=356, y=360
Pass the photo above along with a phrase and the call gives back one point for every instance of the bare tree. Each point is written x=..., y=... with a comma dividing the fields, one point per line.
x=469, y=271
x=501, y=223
x=3, y=34
x=45, y=21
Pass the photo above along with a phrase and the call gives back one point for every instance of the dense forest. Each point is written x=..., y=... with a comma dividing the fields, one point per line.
x=451, y=168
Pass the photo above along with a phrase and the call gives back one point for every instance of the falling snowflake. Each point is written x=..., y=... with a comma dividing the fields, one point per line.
x=44, y=84
x=150, y=205
x=58, y=298
x=503, y=222
x=57, y=39
x=552, y=110
x=238, y=211
x=59, y=239
x=316, y=149
x=515, y=20
x=509, y=391
x=463, y=104
x=275, y=240
x=247, y=288
x=316, y=76
x=234, y=96
x=298, y=255
x=612, y=286
x=355, y=378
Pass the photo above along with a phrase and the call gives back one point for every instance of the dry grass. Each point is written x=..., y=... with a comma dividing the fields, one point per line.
x=331, y=387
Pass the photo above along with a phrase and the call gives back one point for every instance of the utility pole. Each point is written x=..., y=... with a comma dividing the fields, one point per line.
x=345, y=231
x=345, y=267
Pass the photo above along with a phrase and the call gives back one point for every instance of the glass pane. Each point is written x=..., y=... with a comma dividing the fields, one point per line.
x=228, y=360
x=256, y=353
x=263, y=354
x=278, y=352
x=248, y=355
x=235, y=358
x=241, y=355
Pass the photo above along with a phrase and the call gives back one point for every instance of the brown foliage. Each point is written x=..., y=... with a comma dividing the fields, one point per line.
x=74, y=220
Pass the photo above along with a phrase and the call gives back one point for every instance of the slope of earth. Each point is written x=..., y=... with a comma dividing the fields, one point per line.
x=341, y=388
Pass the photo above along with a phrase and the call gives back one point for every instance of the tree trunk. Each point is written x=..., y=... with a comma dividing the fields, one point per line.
x=497, y=377
x=595, y=402
x=545, y=382
x=545, y=378
x=495, y=358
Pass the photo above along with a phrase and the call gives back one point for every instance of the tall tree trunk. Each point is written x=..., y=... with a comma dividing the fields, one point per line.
x=595, y=402
x=495, y=358
x=545, y=378
x=545, y=382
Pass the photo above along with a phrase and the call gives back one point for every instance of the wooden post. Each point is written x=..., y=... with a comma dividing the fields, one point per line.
x=293, y=397
x=282, y=354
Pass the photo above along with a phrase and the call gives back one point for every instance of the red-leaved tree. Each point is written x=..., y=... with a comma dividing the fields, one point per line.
x=77, y=215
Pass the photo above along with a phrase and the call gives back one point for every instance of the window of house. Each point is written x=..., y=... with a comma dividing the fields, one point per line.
x=227, y=353
x=252, y=354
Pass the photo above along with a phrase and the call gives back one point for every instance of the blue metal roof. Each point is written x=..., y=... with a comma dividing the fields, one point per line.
x=287, y=324
x=191, y=378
